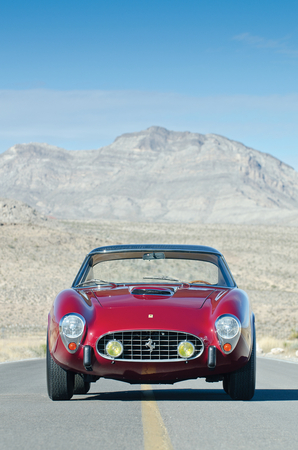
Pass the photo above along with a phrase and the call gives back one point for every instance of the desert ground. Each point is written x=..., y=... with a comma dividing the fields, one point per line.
x=37, y=260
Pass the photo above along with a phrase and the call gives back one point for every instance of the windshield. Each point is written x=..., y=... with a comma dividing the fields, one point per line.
x=157, y=268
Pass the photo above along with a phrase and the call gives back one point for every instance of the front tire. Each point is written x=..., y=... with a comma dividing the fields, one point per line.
x=240, y=385
x=80, y=386
x=60, y=382
x=225, y=383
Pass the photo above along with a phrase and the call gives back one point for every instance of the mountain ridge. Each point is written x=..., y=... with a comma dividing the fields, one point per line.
x=153, y=175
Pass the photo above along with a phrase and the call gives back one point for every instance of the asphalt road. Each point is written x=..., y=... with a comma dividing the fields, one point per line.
x=114, y=415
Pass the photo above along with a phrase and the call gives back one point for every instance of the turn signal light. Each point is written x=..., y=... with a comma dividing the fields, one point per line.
x=227, y=347
x=72, y=346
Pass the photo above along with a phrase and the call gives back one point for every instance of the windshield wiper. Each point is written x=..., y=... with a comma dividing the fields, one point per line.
x=162, y=278
x=165, y=278
x=96, y=281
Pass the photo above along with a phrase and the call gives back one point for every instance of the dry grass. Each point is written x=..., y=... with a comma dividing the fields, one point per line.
x=289, y=347
x=266, y=343
x=15, y=348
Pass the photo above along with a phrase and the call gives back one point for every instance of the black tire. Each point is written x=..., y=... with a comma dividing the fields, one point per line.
x=241, y=383
x=60, y=382
x=225, y=383
x=80, y=386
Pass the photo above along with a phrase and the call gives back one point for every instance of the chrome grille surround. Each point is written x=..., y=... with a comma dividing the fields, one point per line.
x=150, y=345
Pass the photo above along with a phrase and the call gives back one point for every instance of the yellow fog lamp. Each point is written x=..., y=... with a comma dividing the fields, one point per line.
x=114, y=349
x=186, y=349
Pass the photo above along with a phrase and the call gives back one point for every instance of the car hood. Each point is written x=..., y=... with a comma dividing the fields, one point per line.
x=136, y=296
x=136, y=307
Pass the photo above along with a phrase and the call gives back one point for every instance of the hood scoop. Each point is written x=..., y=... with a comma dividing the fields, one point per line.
x=153, y=291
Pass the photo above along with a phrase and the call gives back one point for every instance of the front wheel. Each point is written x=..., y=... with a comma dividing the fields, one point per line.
x=225, y=383
x=60, y=382
x=240, y=385
x=80, y=386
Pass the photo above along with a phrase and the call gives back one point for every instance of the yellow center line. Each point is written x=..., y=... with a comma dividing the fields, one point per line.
x=156, y=436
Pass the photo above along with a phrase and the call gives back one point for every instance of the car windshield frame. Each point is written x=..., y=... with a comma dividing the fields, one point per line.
x=118, y=253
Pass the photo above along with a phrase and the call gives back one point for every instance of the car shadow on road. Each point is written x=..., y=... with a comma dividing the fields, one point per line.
x=275, y=395
x=261, y=395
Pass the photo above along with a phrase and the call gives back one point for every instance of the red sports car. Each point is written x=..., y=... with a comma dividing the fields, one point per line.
x=151, y=314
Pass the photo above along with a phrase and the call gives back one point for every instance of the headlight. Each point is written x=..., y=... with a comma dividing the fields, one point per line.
x=227, y=326
x=72, y=327
x=228, y=330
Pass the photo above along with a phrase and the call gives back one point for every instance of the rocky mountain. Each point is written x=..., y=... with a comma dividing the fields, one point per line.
x=13, y=211
x=154, y=175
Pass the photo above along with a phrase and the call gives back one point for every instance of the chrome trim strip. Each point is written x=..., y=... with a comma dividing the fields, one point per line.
x=220, y=294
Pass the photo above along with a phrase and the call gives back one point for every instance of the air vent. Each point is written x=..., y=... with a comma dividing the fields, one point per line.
x=148, y=291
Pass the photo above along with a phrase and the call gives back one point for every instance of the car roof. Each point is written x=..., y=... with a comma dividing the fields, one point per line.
x=155, y=247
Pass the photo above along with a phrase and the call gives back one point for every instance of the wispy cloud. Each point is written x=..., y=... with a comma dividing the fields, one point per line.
x=277, y=45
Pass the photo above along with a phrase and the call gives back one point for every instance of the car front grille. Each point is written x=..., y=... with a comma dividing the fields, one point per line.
x=153, y=345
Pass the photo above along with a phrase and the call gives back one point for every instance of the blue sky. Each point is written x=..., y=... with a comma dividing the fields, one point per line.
x=78, y=74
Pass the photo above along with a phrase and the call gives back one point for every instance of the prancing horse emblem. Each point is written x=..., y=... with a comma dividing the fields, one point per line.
x=150, y=344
